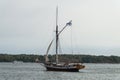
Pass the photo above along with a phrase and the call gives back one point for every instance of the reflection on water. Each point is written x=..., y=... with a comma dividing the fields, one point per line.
x=34, y=71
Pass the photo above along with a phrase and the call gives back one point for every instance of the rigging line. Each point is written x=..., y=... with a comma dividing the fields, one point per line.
x=71, y=40
x=60, y=49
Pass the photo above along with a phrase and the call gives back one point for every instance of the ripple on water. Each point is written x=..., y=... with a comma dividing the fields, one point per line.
x=34, y=71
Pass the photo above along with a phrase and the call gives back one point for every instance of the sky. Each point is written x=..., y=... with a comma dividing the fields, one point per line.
x=28, y=26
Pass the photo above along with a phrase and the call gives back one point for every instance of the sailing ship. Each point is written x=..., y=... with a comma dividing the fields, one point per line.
x=58, y=66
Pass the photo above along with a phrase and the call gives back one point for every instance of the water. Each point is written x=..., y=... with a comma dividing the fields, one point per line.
x=34, y=71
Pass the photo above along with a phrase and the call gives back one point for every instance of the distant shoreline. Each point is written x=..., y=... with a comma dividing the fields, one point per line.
x=62, y=57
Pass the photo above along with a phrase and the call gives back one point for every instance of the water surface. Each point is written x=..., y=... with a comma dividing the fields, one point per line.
x=34, y=71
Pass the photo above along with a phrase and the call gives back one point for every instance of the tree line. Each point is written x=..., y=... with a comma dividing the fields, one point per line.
x=62, y=58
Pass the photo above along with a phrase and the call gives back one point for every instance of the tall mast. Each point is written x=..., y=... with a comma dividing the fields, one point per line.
x=57, y=36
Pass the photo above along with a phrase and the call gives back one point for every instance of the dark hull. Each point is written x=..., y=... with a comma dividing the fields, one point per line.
x=62, y=69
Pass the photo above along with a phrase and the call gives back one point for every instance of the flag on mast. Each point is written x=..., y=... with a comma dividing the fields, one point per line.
x=69, y=23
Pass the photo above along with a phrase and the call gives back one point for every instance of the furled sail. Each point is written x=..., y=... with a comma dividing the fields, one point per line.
x=46, y=56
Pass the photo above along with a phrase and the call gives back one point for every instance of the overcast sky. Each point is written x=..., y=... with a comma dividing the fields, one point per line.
x=27, y=26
